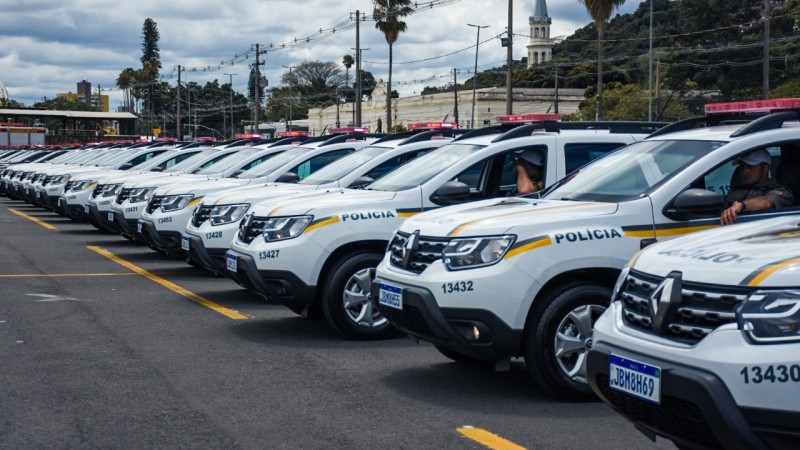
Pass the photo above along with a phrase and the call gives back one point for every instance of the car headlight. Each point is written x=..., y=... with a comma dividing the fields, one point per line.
x=175, y=202
x=110, y=190
x=280, y=228
x=469, y=253
x=768, y=317
x=139, y=195
x=60, y=179
x=81, y=185
x=223, y=214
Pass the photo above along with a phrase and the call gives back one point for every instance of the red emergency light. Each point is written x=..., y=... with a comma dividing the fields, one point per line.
x=344, y=130
x=529, y=118
x=294, y=133
x=204, y=139
x=432, y=126
x=753, y=106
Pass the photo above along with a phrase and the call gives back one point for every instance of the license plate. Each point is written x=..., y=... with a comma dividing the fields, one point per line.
x=27, y=191
x=38, y=194
x=390, y=296
x=139, y=226
x=231, y=261
x=635, y=378
x=111, y=216
x=86, y=209
x=61, y=202
x=185, y=242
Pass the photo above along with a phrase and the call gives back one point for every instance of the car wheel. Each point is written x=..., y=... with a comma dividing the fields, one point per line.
x=557, y=342
x=346, y=301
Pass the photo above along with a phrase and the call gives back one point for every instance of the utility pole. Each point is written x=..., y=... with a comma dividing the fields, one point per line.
x=765, y=93
x=509, y=57
x=475, y=74
x=650, y=72
x=257, y=89
x=233, y=131
x=556, y=102
x=358, y=69
x=289, y=122
x=455, y=91
x=178, y=109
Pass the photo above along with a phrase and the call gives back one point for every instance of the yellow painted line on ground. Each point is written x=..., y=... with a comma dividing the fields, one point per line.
x=33, y=219
x=488, y=439
x=55, y=275
x=169, y=285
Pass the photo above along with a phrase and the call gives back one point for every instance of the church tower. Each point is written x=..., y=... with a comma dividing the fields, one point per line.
x=540, y=48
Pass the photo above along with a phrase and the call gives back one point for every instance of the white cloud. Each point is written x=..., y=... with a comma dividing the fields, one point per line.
x=48, y=47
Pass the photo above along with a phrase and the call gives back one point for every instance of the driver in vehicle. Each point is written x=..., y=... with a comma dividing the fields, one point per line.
x=528, y=170
x=756, y=191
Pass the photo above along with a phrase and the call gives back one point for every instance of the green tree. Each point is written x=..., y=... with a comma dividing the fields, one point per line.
x=125, y=81
x=347, y=62
x=628, y=102
x=600, y=10
x=151, y=64
x=387, y=15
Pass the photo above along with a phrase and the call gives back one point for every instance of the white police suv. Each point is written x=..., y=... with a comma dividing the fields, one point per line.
x=528, y=276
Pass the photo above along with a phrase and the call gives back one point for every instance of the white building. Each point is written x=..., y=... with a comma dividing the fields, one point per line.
x=489, y=103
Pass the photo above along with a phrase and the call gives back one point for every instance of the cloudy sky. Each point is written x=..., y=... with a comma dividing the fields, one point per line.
x=49, y=46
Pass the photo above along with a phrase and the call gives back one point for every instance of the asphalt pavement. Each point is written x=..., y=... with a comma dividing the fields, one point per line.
x=108, y=344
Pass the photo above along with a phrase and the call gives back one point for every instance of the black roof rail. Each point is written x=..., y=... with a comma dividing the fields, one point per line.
x=339, y=138
x=768, y=122
x=622, y=126
x=524, y=130
x=493, y=129
x=395, y=136
x=707, y=121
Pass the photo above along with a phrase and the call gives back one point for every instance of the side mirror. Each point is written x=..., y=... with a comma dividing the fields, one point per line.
x=125, y=166
x=360, y=182
x=693, y=203
x=288, y=177
x=451, y=193
x=237, y=173
x=157, y=169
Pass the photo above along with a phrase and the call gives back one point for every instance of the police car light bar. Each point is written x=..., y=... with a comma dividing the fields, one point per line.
x=432, y=126
x=343, y=130
x=753, y=106
x=294, y=133
x=529, y=118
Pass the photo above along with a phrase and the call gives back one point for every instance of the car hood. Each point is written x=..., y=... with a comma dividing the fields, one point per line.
x=503, y=215
x=758, y=253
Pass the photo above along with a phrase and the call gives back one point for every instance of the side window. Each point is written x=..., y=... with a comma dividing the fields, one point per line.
x=171, y=162
x=214, y=161
x=317, y=162
x=508, y=181
x=471, y=176
x=143, y=157
x=722, y=178
x=579, y=154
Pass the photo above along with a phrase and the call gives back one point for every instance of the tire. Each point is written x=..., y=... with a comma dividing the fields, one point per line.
x=567, y=318
x=460, y=358
x=346, y=302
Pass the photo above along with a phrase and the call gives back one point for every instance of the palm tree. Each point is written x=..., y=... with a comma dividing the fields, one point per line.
x=347, y=62
x=387, y=14
x=600, y=10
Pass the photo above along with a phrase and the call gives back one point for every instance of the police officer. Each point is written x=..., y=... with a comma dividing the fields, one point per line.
x=757, y=191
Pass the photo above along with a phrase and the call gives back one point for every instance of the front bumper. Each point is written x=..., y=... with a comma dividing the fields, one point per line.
x=128, y=227
x=279, y=286
x=696, y=409
x=212, y=259
x=168, y=242
x=452, y=328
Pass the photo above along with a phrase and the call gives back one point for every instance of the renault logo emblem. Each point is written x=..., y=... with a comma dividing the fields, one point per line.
x=665, y=301
x=410, y=248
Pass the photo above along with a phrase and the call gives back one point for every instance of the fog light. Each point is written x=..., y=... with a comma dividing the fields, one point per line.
x=476, y=333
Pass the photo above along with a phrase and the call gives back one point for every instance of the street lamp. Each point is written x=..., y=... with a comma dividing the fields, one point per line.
x=475, y=74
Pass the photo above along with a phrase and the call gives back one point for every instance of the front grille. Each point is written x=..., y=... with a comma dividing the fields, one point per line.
x=673, y=416
x=251, y=227
x=154, y=203
x=702, y=308
x=415, y=256
x=410, y=319
x=201, y=214
x=123, y=195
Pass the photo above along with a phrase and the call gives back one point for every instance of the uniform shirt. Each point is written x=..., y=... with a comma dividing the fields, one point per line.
x=780, y=195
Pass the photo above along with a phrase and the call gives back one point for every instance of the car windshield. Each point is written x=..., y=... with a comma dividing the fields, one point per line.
x=630, y=172
x=420, y=170
x=338, y=169
x=226, y=163
x=274, y=163
x=192, y=160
